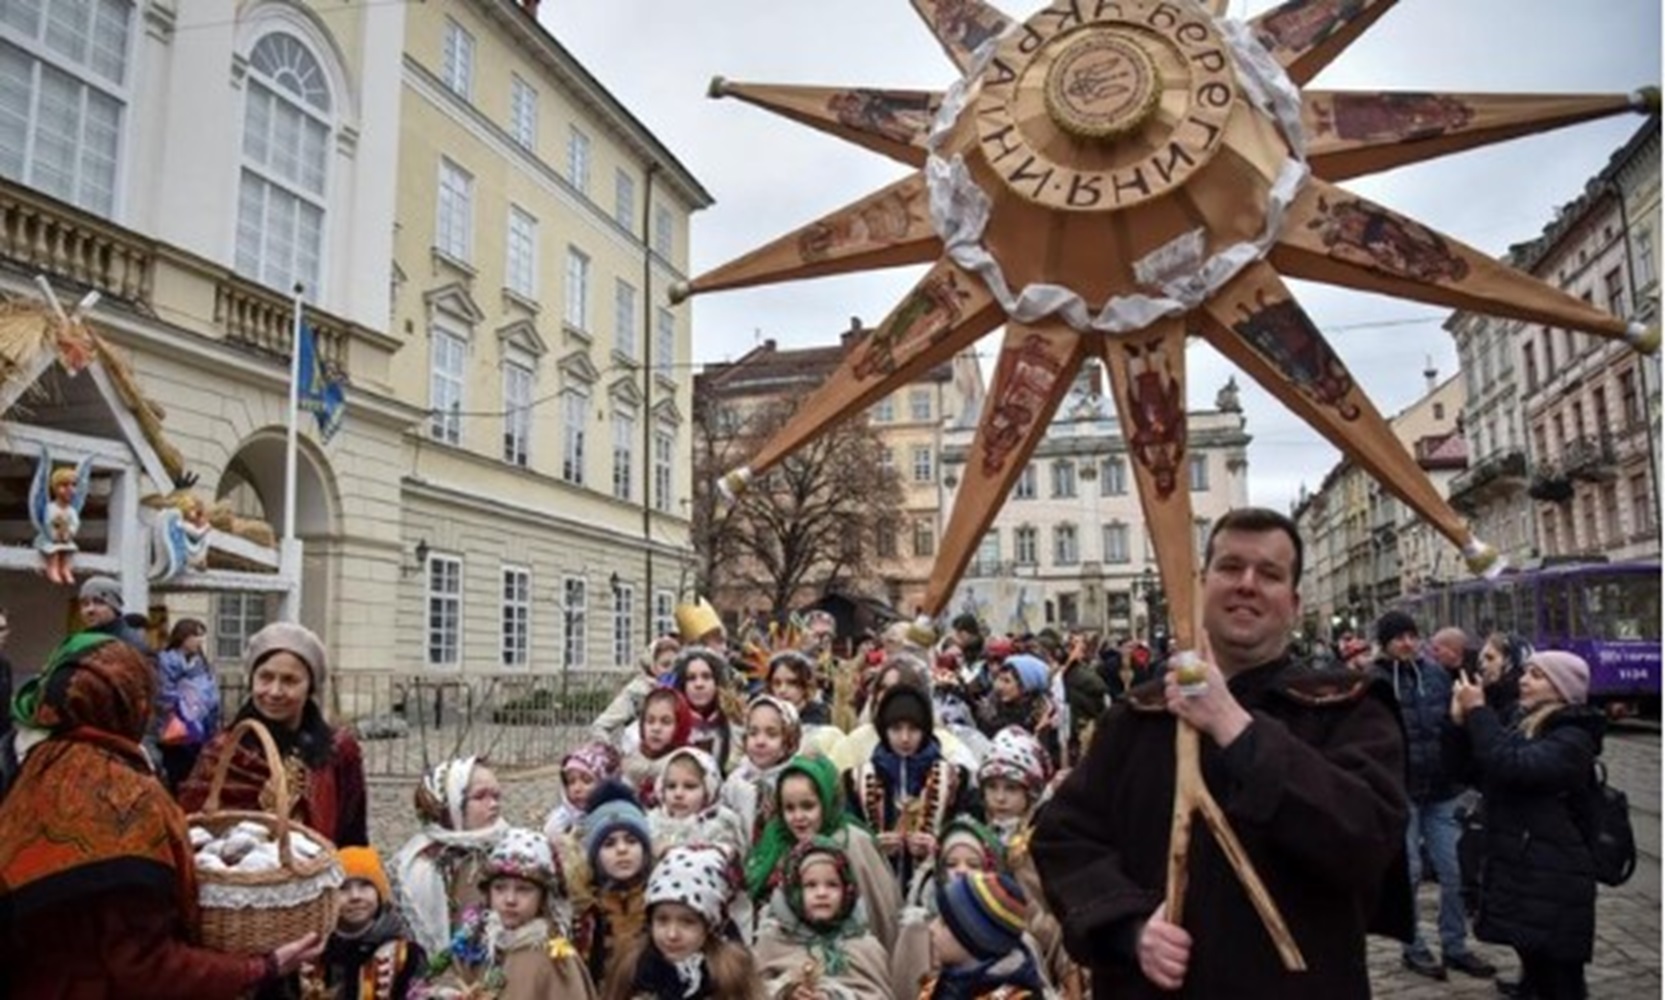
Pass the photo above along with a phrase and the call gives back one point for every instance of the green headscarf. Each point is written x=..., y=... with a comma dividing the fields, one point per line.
x=824, y=940
x=777, y=840
x=26, y=702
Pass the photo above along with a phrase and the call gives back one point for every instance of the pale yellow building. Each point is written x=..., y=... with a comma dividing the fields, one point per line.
x=483, y=235
x=538, y=227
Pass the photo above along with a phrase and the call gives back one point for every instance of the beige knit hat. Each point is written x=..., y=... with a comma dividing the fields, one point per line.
x=288, y=637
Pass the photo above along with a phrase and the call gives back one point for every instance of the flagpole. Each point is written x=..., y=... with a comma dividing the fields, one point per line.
x=289, y=550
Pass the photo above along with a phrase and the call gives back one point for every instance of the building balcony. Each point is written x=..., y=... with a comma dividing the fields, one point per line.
x=1497, y=475
x=1590, y=459
x=40, y=235
x=1551, y=484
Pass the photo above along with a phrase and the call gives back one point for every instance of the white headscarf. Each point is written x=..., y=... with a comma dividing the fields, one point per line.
x=423, y=897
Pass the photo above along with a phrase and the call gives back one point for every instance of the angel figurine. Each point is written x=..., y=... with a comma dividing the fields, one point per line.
x=181, y=537
x=55, y=500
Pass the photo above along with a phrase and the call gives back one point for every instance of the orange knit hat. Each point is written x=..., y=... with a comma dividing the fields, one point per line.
x=364, y=864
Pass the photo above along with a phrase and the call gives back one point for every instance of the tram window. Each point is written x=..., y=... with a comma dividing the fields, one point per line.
x=1623, y=607
x=1506, y=610
x=1558, y=626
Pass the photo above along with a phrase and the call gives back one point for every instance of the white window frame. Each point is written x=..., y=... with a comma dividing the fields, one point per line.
x=1025, y=546
x=924, y=537
x=518, y=382
x=919, y=406
x=1066, y=545
x=664, y=470
x=574, y=621
x=454, y=212
x=624, y=318
x=1196, y=471
x=442, y=609
x=237, y=615
x=515, y=651
x=578, y=158
x=575, y=422
x=1112, y=477
x=447, y=383
x=988, y=551
x=283, y=188
x=624, y=452
x=1024, y=487
x=521, y=272
x=1063, y=479
x=523, y=112
x=1117, y=546
x=577, y=310
x=456, y=61
x=664, y=346
x=664, y=613
x=884, y=411
x=664, y=232
x=624, y=616
x=923, y=463
x=109, y=84
x=624, y=199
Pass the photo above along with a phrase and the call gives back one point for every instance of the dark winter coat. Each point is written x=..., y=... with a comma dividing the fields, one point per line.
x=1538, y=883
x=1086, y=694
x=1423, y=690
x=1314, y=789
x=1503, y=694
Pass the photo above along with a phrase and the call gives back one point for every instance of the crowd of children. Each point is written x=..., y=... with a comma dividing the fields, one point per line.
x=709, y=846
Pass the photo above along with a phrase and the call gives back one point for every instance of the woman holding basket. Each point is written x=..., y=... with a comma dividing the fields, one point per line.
x=97, y=886
x=324, y=766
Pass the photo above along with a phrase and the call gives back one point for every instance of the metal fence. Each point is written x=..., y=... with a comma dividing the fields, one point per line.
x=407, y=722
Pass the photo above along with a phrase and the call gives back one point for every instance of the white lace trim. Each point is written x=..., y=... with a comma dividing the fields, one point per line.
x=217, y=896
x=960, y=209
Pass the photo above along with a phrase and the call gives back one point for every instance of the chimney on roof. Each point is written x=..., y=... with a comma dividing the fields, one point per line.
x=853, y=334
x=1430, y=373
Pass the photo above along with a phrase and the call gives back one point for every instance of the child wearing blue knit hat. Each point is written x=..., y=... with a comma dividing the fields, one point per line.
x=608, y=893
x=977, y=941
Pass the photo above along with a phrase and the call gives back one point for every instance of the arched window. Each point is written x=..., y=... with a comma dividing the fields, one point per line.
x=286, y=140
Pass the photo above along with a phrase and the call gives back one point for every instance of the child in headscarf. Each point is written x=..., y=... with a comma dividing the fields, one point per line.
x=811, y=805
x=684, y=956
x=369, y=957
x=666, y=723
x=1011, y=780
x=438, y=869
x=688, y=811
x=906, y=791
x=814, y=941
x=626, y=707
x=772, y=737
x=1019, y=696
x=511, y=949
x=608, y=889
x=581, y=771
x=703, y=677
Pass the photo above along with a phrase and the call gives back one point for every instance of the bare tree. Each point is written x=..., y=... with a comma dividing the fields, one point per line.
x=807, y=527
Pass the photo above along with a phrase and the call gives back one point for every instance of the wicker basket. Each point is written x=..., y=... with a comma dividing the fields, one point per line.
x=254, y=912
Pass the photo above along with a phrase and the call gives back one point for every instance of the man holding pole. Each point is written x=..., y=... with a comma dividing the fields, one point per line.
x=1308, y=769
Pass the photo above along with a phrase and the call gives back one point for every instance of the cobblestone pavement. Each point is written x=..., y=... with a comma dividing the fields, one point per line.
x=1627, y=957
x=1626, y=963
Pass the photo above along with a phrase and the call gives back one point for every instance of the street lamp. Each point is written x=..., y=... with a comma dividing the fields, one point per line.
x=1149, y=586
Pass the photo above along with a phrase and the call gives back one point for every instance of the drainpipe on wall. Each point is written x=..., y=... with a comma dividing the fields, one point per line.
x=647, y=402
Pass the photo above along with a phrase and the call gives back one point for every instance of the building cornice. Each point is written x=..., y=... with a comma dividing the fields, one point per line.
x=566, y=68
x=543, y=518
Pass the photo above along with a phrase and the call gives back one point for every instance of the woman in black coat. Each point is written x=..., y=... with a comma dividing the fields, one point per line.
x=1538, y=883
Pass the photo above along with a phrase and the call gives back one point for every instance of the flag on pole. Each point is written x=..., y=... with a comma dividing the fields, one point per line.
x=321, y=390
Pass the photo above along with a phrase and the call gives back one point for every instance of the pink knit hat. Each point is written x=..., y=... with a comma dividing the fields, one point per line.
x=1567, y=673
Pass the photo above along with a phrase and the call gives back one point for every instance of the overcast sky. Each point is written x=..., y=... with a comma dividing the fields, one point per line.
x=770, y=175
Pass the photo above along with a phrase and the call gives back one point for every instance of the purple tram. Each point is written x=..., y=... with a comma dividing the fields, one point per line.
x=1608, y=613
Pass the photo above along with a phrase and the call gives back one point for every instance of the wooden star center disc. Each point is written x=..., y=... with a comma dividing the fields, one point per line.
x=1103, y=85
x=1095, y=108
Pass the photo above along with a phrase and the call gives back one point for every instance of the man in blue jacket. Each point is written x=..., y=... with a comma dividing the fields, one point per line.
x=1423, y=689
